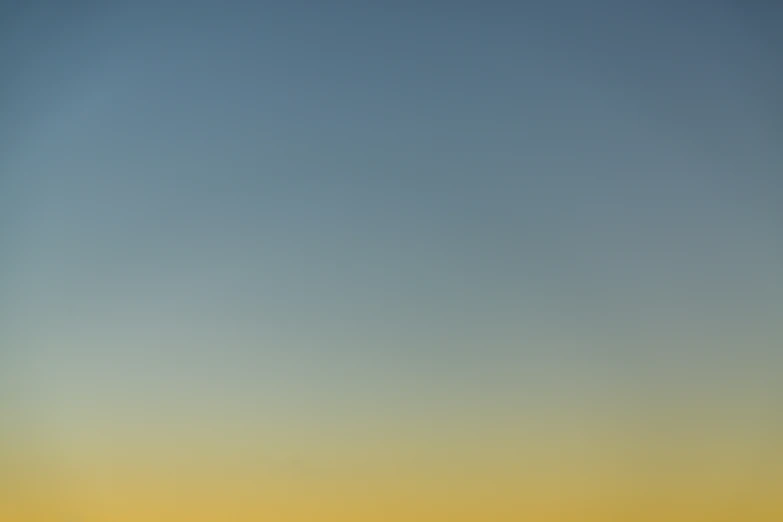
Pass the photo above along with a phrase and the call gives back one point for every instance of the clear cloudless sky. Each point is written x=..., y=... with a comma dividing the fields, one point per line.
x=304, y=218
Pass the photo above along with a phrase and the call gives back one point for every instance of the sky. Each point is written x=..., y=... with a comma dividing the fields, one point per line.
x=315, y=237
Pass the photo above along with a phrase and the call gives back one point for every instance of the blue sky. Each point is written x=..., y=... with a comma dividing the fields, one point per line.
x=406, y=194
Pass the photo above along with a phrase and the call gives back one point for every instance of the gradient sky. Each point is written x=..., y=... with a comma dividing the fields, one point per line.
x=319, y=219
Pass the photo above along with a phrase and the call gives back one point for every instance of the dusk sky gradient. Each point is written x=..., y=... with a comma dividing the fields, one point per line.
x=314, y=231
